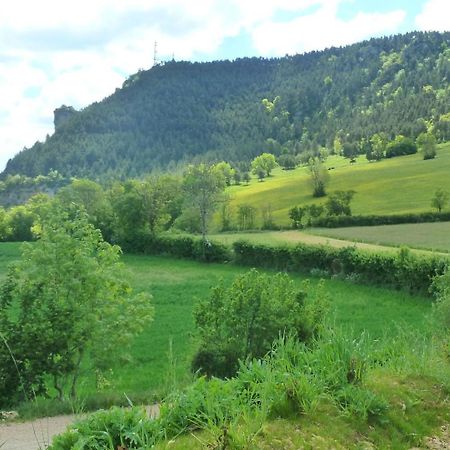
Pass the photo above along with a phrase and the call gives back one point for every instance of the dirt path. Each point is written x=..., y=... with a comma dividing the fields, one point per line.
x=38, y=434
x=35, y=435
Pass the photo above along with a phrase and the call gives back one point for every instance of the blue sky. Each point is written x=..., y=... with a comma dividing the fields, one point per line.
x=55, y=52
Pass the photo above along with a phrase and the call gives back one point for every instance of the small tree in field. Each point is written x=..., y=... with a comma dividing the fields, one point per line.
x=64, y=306
x=440, y=200
x=338, y=203
x=203, y=186
x=319, y=177
x=296, y=215
x=427, y=145
x=265, y=162
x=246, y=217
x=243, y=320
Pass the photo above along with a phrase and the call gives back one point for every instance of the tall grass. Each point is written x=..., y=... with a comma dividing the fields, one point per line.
x=292, y=381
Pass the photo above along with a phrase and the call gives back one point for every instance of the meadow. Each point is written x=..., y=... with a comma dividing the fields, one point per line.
x=160, y=357
x=431, y=236
x=422, y=238
x=390, y=186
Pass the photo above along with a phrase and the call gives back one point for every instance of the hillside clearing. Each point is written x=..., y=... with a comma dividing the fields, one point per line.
x=391, y=186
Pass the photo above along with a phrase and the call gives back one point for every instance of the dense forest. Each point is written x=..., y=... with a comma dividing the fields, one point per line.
x=233, y=110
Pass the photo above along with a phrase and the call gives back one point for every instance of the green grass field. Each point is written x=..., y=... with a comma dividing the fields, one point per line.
x=175, y=286
x=399, y=185
x=421, y=241
x=431, y=236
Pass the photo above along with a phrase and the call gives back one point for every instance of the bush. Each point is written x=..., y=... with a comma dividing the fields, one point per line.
x=338, y=203
x=242, y=321
x=401, y=146
x=178, y=246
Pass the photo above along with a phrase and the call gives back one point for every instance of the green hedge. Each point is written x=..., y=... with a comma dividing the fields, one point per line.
x=353, y=221
x=182, y=247
x=403, y=270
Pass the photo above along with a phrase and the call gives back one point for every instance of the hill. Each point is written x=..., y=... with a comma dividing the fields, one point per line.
x=180, y=111
x=391, y=186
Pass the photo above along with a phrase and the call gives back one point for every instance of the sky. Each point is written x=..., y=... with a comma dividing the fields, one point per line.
x=55, y=52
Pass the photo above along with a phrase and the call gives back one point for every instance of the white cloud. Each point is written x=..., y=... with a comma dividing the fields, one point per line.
x=322, y=29
x=435, y=16
x=74, y=52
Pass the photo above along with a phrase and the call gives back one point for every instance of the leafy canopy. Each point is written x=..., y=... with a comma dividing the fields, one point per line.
x=63, y=304
x=243, y=320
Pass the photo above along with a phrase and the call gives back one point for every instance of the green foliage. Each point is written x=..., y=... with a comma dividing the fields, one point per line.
x=226, y=171
x=287, y=161
x=267, y=217
x=243, y=320
x=296, y=215
x=440, y=199
x=113, y=429
x=289, y=381
x=265, y=163
x=144, y=206
x=203, y=186
x=350, y=150
x=427, y=145
x=90, y=195
x=353, y=221
x=405, y=270
x=378, y=147
x=400, y=146
x=246, y=215
x=183, y=247
x=52, y=302
x=319, y=177
x=441, y=309
x=19, y=223
x=338, y=203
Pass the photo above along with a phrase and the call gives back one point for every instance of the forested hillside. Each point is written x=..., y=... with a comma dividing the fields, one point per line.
x=179, y=110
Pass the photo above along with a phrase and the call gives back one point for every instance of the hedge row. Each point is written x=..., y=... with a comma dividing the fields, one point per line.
x=353, y=221
x=402, y=270
x=180, y=247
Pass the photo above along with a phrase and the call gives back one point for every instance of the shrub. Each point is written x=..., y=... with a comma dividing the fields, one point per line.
x=401, y=146
x=180, y=247
x=338, y=203
x=243, y=320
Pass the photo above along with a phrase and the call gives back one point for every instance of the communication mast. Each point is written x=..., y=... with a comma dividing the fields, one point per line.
x=155, y=54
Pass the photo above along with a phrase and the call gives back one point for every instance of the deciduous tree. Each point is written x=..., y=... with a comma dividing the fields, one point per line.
x=203, y=187
x=319, y=177
x=64, y=306
x=265, y=162
x=440, y=199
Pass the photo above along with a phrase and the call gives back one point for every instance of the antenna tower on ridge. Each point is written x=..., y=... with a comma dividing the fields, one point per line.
x=155, y=54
